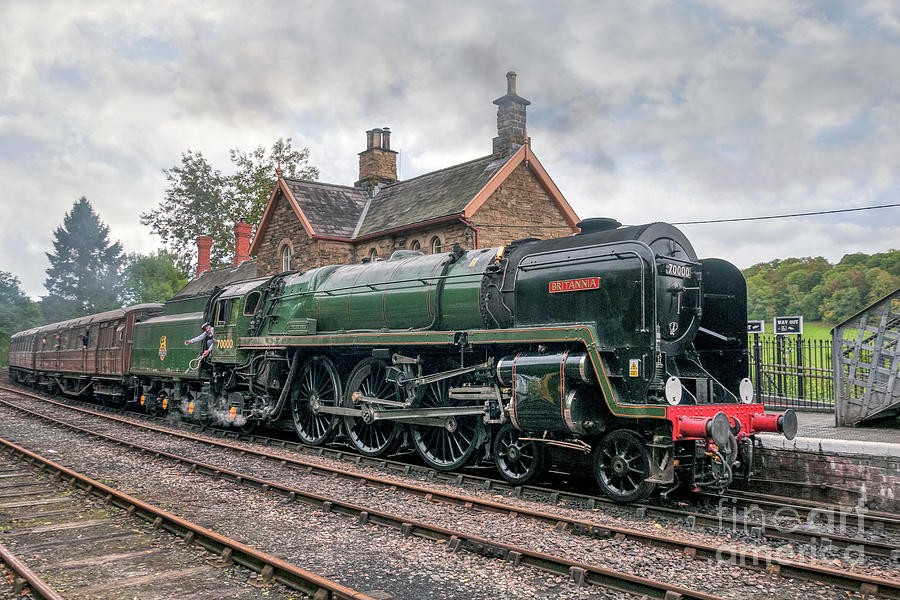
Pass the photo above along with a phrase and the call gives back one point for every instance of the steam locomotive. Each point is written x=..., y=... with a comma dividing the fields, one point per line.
x=616, y=347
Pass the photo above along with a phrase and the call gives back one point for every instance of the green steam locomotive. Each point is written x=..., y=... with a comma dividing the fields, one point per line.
x=616, y=347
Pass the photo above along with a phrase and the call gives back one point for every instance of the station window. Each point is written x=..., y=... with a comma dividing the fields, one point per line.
x=251, y=303
x=286, y=257
x=373, y=254
x=414, y=245
x=435, y=245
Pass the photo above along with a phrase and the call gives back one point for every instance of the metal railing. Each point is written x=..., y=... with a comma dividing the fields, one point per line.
x=790, y=372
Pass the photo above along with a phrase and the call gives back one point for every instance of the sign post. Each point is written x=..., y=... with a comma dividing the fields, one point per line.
x=793, y=326
x=756, y=328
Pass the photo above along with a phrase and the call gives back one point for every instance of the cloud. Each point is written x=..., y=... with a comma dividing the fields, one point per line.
x=641, y=111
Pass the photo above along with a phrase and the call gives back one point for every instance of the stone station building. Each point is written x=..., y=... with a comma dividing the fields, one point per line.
x=489, y=201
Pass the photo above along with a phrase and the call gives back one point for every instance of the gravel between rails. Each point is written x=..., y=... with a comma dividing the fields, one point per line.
x=628, y=556
x=613, y=516
x=368, y=558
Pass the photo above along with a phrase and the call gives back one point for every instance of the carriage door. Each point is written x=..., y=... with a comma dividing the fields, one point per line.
x=224, y=334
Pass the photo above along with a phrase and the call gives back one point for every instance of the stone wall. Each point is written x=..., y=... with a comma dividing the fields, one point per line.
x=519, y=208
x=285, y=228
x=846, y=478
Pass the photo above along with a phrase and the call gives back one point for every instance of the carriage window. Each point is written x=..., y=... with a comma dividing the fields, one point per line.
x=251, y=303
x=121, y=333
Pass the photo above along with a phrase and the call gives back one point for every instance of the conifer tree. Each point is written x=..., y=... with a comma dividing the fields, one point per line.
x=83, y=277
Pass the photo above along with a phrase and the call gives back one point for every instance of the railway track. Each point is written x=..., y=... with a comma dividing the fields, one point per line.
x=744, y=514
x=67, y=522
x=580, y=572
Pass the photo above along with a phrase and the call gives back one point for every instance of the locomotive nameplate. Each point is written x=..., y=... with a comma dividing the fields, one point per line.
x=574, y=285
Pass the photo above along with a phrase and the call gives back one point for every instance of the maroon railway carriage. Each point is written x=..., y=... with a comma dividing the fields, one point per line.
x=87, y=354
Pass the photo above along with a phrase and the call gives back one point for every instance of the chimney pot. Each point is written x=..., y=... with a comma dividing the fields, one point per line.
x=511, y=83
x=204, y=243
x=376, y=138
x=385, y=138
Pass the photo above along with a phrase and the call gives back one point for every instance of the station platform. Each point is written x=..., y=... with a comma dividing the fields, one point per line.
x=818, y=433
x=845, y=465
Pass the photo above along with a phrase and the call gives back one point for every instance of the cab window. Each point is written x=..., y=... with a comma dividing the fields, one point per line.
x=251, y=303
x=225, y=313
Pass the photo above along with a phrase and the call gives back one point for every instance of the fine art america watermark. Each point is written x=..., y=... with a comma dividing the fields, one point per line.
x=809, y=532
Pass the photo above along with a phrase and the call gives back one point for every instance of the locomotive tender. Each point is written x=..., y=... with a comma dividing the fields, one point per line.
x=616, y=346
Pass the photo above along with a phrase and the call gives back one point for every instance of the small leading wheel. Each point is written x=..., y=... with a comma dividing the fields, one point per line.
x=517, y=461
x=378, y=437
x=621, y=465
x=442, y=448
x=318, y=383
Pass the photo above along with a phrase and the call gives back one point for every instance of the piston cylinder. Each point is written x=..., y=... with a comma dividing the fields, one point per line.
x=548, y=392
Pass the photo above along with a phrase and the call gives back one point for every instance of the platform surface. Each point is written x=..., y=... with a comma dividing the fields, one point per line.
x=818, y=433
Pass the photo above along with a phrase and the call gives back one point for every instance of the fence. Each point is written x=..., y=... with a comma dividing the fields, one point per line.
x=789, y=372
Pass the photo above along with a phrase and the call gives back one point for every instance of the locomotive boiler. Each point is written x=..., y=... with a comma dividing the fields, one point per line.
x=616, y=346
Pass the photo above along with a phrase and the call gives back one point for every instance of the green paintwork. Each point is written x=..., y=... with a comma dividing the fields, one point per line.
x=399, y=294
x=148, y=336
x=230, y=319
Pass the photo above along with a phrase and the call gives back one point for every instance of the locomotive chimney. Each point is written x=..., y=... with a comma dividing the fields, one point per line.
x=242, y=230
x=377, y=163
x=511, y=129
x=204, y=243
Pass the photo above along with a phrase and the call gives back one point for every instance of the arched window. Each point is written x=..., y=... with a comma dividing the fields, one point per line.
x=286, y=257
x=373, y=254
x=435, y=245
x=414, y=245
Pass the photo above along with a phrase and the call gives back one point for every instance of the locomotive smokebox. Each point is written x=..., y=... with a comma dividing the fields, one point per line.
x=546, y=392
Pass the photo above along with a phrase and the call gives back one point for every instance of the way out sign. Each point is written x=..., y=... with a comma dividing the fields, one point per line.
x=756, y=326
x=789, y=325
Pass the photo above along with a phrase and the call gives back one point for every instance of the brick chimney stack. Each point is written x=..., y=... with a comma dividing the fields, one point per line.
x=242, y=231
x=511, y=130
x=204, y=243
x=377, y=163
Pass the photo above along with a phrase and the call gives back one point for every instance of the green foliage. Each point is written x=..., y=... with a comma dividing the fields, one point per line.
x=151, y=278
x=200, y=200
x=83, y=277
x=818, y=290
x=17, y=311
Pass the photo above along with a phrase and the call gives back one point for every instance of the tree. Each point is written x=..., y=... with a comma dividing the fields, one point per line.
x=254, y=179
x=200, y=200
x=17, y=311
x=151, y=278
x=83, y=277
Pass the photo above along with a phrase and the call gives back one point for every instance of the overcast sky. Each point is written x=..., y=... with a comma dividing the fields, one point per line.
x=642, y=111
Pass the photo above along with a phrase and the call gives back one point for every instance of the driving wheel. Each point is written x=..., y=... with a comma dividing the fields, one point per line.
x=317, y=384
x=374, y=438
x=446, y=448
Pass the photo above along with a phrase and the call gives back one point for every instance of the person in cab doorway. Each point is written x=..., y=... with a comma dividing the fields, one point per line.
x=205, y=338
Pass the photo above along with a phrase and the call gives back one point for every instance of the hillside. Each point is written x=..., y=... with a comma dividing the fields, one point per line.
x=818, y=290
